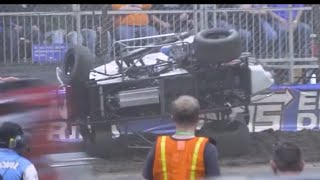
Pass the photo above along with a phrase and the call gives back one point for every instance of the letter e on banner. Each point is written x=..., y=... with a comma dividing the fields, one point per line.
x=308, y=100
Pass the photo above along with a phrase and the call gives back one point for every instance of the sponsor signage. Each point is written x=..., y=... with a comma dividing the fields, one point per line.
x=288, y=108
x=48, y=52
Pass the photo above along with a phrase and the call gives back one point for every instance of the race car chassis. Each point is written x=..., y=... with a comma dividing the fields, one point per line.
x=219, y=88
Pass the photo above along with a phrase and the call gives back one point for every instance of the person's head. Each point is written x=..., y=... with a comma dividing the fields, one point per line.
x=11, y=135
x=185, y=111
x=287, y=159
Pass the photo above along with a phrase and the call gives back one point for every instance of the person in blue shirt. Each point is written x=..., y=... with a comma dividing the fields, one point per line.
x=14, y=166
x=280, y=29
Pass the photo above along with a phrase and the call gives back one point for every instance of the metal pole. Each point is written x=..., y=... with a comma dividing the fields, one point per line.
x=202, y=16
x=195, y=18
x=291, y=45
x=316, y=20
x=76, y=9
x=214, y=15
x=206, y=7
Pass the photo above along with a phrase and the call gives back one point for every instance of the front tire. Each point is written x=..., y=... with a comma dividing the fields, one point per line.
x=76, y=70
x=77, y=65
x=105, y=146
x=232, y=137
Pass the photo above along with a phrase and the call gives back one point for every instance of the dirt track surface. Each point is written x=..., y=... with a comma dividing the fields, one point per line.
x=262, y=144
x=260, y=149
x=259, y=152
x=254, y=163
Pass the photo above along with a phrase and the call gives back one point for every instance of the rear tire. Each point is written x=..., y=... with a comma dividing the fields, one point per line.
x=215, y=46
x=232, y=137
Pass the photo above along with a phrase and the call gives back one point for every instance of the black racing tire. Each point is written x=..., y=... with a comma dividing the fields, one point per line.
x=104, y=146
x=232, y=137
x=77, y=65
x=215, y=46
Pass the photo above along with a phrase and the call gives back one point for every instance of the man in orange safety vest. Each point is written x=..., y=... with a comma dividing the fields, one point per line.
x=182, y=155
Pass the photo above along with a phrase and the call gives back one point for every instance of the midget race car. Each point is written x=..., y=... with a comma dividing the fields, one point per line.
x=131, y=94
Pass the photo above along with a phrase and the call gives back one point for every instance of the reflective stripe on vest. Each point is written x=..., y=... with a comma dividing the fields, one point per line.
x=163, y=157
x=194, y=158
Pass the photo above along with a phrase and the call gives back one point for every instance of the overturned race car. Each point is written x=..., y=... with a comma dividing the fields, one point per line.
x=131, y=94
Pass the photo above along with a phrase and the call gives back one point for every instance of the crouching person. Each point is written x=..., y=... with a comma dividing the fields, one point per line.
x=12, y=165
x=287, y=159
x=182, y=155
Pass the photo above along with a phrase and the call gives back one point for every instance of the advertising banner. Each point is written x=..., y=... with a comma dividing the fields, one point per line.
x=287, y=108
x=48, y=53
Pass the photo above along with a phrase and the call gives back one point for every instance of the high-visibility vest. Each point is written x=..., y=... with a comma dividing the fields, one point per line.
x=179, y=159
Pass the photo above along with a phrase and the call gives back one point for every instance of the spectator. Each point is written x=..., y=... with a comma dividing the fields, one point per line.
x=106, y=28
x=280, y=28
x=90, y=26
x=255, y=20
x=133, y=25
x=234, y=21
x=21, y=32
x=172, y=156
x=54, y=28
x=173, y=22
x=89, y=34
x=72, y=35
x=287, y=159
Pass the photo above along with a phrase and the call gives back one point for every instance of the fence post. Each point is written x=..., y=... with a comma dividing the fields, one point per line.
x=316, y=23
x=214, y=15
x=291, y=45
x=195, y=18
x=76, y=9
x=202, y=11
x=206, y=17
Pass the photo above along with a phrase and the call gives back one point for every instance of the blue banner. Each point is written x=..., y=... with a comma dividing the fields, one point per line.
x=288, y=108
x=48, y=53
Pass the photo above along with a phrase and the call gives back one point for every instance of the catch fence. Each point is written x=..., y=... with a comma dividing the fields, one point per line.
x=287, y=48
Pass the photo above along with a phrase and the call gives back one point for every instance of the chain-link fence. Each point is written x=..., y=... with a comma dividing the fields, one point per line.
x=280, y=36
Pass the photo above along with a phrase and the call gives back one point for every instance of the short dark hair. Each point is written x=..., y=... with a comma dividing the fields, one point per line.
x=185, y=110
x=287, y=156
x=9, y=130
